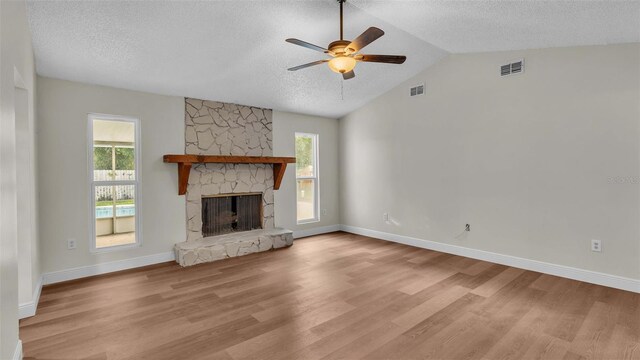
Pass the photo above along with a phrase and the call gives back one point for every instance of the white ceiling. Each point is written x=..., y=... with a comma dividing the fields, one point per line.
x=234, y=51
x=480, y=26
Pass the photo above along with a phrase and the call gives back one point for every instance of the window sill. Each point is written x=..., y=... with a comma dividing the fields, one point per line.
x=114, y=248
x=307, y=221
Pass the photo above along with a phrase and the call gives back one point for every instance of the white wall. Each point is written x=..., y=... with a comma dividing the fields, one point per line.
x=63, y=107
x=64, y=188
x=526, y=160
x=17, y=77
x=285, y=125
x=28, y=260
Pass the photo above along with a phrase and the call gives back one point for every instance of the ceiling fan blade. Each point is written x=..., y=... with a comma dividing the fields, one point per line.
x=387, y=59
x=366, y=38
x=307, y=65
x=307, y=45
x=348, y=75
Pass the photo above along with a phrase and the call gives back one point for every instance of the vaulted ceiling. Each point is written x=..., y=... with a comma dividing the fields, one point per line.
x=234, y=51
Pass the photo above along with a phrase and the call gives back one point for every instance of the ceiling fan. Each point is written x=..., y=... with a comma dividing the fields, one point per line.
x=344, y=53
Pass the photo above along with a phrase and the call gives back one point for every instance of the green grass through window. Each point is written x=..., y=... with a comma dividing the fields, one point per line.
x=118, y=202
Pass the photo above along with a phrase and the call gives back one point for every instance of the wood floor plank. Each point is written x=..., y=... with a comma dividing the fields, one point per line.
x=547, y=347
x=427, y=280
x=430, y=307
x=594, y=335
x=517, y=342
x=403, y=346
x=622, y=345
x=280, y=335
x=363, y=344
x=333, y=296
x=498, y=282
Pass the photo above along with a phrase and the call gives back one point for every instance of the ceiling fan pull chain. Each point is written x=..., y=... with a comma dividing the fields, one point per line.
x=342, y=89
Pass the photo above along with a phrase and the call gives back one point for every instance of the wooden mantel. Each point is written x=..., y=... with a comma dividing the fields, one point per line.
x=185, y=161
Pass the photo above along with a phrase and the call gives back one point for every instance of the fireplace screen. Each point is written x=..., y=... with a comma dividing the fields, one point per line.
x=226, y=214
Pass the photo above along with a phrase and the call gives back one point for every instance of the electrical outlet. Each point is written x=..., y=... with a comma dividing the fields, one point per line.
x=71, y=244
x=324, y=211
x=596, y=245
x=385, y=216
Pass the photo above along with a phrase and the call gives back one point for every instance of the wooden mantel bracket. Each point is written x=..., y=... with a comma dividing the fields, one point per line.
x=185, y=161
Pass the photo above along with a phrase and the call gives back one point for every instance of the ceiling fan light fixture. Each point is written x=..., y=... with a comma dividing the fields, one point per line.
x=342, y=64
x=346, y=53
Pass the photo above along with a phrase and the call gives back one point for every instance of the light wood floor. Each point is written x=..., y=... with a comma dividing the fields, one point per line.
x=335, y=296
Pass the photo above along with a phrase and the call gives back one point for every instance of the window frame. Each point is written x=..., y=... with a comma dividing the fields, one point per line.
x=93, y=183
x=315, y=178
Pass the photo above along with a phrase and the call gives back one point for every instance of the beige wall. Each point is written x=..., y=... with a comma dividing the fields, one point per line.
x=285, y=125
x=17, y=113
x=63, y=107
x=27, y=204
x=64, y=186
x=527, y=160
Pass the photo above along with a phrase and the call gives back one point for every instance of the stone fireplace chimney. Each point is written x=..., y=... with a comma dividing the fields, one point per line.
x=215, y=128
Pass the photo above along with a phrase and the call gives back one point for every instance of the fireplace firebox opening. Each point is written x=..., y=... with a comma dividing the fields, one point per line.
x=227, y=213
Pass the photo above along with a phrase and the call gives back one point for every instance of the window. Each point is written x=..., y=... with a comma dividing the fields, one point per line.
x=307, y=177
x=114, y=158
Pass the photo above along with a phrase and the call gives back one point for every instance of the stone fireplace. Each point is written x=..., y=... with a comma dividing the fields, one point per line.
x=215, y=128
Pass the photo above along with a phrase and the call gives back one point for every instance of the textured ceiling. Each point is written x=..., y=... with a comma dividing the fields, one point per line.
x=234, y=51
x=480, y=26
x=231, y=51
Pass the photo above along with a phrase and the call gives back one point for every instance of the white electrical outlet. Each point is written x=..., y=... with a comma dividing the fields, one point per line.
x=385, y=216
x=71, y=244
x=324, y=211
x=596, y=245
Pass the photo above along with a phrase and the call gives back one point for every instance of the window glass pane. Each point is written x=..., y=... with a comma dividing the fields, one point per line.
x=125, y=163
x=115, y=215
x=102, y=163
x=304, y=156
x=306, y=199
x=113, y=150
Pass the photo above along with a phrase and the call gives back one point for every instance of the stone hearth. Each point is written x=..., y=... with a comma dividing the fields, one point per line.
x=231, y=245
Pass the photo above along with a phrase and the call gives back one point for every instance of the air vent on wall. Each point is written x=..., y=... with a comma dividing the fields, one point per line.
x=513, y=68
x=417, y=90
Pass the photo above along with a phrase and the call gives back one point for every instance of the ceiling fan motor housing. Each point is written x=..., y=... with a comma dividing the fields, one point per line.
x=338, y=47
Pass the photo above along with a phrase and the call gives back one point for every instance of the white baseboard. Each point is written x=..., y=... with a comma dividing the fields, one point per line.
x=28, y=308
x=17, y=353
x=589, y=276
x=104, y=268
x=98, y=269
x=316, y=231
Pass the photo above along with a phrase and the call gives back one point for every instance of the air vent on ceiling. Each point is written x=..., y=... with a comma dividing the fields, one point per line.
x=417, y=90
x=513, y=68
